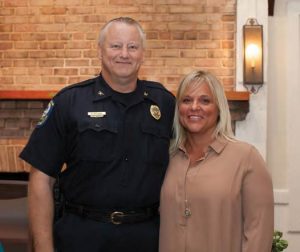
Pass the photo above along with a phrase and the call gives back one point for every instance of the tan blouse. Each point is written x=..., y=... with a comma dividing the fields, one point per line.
x=222, y=204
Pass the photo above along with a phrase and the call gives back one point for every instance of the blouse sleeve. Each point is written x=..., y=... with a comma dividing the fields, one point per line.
x=257, y=205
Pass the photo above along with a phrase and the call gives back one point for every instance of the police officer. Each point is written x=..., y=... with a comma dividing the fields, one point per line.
x=111, y=134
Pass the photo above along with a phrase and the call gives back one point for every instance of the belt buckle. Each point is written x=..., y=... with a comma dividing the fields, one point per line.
x=116, y=214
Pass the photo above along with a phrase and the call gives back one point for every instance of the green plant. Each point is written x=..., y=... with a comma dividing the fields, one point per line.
x=278, y=243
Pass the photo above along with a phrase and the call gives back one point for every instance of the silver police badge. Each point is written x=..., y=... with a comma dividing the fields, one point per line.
x=155, y=112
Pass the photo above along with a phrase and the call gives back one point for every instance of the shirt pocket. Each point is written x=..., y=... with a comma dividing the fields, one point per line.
x=97, y=141
x=157, y=144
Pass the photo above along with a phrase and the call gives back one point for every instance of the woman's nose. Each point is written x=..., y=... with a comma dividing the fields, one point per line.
x=195, y=105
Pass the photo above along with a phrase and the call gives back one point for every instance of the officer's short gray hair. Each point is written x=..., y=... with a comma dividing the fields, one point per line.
x=125, y=20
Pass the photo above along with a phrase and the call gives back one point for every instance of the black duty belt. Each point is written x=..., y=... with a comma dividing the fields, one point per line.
x=116, y=217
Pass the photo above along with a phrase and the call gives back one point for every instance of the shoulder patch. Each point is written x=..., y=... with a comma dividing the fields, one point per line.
x=46, y=114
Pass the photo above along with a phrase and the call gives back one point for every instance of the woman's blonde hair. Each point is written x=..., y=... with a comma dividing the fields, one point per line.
x=194, y=80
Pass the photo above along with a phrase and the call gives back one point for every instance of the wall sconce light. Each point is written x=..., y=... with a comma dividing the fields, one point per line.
x=253, y=55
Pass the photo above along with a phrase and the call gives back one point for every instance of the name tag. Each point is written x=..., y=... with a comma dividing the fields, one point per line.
x=97, y=114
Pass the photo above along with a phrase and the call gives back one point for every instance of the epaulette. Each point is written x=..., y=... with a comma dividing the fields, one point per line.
x=77, y=85
x=157, y=85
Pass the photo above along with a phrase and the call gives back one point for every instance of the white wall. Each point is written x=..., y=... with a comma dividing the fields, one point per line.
x=273, y=124
x=254, y=128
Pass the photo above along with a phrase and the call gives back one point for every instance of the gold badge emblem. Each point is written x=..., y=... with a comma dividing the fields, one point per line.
x=155, y=112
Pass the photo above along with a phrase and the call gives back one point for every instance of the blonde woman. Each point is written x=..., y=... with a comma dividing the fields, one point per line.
x=217, y=194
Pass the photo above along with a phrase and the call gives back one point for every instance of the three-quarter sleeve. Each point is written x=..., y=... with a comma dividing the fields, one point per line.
x=257, y=205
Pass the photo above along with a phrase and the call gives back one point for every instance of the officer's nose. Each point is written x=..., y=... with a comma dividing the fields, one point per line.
x=124, y=52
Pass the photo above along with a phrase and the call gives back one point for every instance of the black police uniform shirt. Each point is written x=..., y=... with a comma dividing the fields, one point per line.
x=114, y=146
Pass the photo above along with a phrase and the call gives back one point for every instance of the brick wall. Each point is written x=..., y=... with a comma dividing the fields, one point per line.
x=47, y=44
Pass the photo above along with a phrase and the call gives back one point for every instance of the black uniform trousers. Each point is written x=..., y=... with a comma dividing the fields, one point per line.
x=73, y=233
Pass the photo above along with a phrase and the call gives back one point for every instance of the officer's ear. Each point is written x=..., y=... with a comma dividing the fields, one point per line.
x=99, y=51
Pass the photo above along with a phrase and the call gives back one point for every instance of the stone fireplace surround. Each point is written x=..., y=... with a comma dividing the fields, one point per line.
x=20, y=111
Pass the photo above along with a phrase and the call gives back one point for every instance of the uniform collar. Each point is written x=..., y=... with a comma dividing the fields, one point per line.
x=103, y=91
x=217, y=145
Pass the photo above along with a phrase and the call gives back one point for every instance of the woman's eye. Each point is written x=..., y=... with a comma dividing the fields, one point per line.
x=205, y=100
x=186, y=100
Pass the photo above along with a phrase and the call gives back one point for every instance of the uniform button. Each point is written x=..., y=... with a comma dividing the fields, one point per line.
x=97, y=126
x=187, y=212
x=126, y=158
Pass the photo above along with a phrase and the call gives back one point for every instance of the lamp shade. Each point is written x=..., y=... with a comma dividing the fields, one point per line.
x=253, y=52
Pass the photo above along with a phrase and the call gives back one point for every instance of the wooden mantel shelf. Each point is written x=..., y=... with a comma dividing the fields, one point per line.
x=48, y=94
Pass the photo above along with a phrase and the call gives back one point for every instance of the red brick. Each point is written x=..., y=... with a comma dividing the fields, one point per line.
x=182, y=9
x=14, y=3
x=180, y=44
x=77, y=62
x=72, y=80
x=220, y=54
x=227, y=18
x=193, y=54
x=16, y=54
x=5, y=63
x=68, y=54
x=207, y=45
x=6, y=28
x=25, y=63
x=54, y=80
x=207, y=63
x=52, y=45
x=4, y=37
x=68, y=2
x=81, y=10
x=26, y=45
x=6, y=80
x=228, y=44
x=78, y=45
x=92, y=71
x=51, y=63
x=164, y=35
x=54, y=10
x=34, y=36
x=65, y=71
x=28, y=80
x=41, y=54
x=6, y=11
x=40, y=71
x=6, y=45
x=94, y=19
x=166, y=53
x=90, y=54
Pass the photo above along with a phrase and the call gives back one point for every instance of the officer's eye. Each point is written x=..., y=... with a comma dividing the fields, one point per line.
x=132, y=47
x=115, y=46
